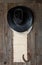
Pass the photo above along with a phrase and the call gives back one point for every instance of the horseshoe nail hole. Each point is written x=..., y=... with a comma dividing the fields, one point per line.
x=5, y=62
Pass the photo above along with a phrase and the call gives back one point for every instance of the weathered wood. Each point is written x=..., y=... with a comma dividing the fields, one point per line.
x=5, y=37
x=34, y=38
x=1, y=33
x=20, y=1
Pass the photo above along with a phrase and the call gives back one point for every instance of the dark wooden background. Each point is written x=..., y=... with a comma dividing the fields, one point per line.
x=34, y=42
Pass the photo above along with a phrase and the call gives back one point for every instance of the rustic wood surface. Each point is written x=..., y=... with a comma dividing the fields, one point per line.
x=34, y=38
x=20, y=1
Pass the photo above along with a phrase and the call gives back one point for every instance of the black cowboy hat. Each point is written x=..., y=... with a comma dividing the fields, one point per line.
x=20, y=18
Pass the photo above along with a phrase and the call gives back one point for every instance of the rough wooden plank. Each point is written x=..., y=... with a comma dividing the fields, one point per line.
x=1, y=34
x=20, y=1
x=6, y=35
x=7, y=39
x=30, y=39
x=26, y=4
x=15, y=1
x=39, y=60
x=39, y=37
x=37, y=8
x=39, y=1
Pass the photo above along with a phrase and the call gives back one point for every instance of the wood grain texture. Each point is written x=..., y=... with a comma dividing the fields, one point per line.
x=5, y=37
x=20, y=1
x=34, y=38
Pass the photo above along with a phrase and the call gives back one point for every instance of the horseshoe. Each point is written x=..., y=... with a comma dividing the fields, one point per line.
x=29, y=57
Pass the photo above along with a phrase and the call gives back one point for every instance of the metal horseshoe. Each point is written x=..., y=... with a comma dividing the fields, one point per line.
x=29, y=57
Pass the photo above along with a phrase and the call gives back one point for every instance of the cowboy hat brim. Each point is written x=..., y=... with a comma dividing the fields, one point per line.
x=27, y=21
